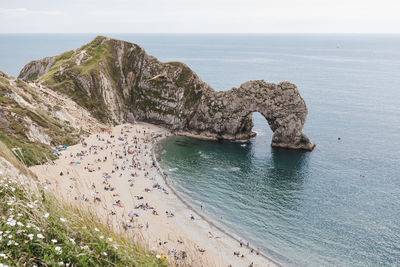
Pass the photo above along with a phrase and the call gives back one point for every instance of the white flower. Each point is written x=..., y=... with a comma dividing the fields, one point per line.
x=105, y=254
x=110, y=239
x=72, y=241
x=46, y=215
x=40, y=236
x=19, y=214
x=58, y=249
x=158, y=256
x=101, y=237
x=30, y=236
x=10, y=236
x=20, y=224
x=96, y=229
x=11, y=222
x=54, y=241
x=63, y=220
x=61, y=263
x=84, y=247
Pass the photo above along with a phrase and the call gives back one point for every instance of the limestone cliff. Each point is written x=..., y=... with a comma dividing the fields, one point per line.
x=118, y=81
x=34, y=119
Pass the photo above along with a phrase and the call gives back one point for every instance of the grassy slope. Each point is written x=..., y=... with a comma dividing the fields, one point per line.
x=14, y=132
x=36, y=229
x=66, y=81
x=100, y=55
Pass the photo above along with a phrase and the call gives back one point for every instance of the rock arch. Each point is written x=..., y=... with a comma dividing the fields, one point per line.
x=231, y=114
x=118, y=81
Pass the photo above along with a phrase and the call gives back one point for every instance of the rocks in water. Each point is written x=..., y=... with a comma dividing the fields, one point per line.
x=118, y=81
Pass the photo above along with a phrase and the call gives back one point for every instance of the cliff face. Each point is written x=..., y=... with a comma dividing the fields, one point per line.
x=117, y=81
x=33, y=119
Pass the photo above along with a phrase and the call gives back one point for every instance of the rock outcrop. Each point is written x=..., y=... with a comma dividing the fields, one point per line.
x=35, y=119
x=36, y=68
x=118, y=81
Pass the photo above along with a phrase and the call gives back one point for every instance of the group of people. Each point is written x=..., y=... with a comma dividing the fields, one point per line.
x=123, y=155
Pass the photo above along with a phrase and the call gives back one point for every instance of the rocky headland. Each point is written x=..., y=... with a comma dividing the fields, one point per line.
x=119, y=82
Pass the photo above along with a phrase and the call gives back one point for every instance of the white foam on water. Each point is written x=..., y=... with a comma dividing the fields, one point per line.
x=204, y=156
x=259, y=133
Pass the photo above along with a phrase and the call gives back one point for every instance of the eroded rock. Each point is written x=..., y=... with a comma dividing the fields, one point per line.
x=118, y=81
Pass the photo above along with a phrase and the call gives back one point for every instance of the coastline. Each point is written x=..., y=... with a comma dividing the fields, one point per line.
x=81, y=172
x=235, y=239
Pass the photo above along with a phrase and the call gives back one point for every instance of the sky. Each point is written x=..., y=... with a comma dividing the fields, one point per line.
x=199, y=16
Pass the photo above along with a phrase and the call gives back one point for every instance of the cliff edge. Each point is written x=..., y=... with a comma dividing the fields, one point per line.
x=117, y=81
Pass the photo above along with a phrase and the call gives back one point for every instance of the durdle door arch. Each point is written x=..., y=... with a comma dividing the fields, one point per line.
x=118, y=81
x=280, y=104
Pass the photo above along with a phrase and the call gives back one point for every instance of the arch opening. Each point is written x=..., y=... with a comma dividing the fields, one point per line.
x=261, y=125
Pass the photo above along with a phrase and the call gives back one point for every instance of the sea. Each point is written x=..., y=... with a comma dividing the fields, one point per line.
x=338, y=205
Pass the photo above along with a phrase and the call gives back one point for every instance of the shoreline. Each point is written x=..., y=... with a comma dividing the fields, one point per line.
x=114, y=172
x=160, y=170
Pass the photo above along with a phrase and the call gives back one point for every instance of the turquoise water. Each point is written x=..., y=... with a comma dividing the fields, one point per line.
x=338, y=205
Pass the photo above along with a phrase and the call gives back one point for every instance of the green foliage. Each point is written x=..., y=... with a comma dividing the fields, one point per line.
x=67, y=81
x=14, y=132
x=30, y=153
x=185, y=74
x=5, y=100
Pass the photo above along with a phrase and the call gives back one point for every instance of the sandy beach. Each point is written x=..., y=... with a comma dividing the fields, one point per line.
x=114, y=173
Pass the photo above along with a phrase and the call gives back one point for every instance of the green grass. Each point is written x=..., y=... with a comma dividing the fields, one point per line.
x=37, y=229
x=29, y=153
x=14, y=133
x=67, y=82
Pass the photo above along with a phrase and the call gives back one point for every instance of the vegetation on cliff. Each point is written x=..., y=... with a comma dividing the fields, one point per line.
x=81, y=81
x=118, y=81
x=18, y=115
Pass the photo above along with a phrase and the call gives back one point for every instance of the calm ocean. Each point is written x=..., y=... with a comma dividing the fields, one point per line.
x=337, y=205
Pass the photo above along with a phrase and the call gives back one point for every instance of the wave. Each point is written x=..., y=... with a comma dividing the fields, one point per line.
x=173, y=169
x=259, y=133
x=203, y=156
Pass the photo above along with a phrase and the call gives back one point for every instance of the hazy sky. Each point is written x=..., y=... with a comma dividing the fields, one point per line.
x=200, y=16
